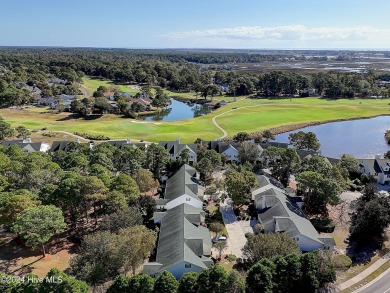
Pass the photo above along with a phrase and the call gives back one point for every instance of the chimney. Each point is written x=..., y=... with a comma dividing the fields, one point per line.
x=77, y=140
x=377, y=157
x=27, y=140
x=178, y=140
x=128, y=141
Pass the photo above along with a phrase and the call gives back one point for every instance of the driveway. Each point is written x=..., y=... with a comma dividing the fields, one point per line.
x=236, y=229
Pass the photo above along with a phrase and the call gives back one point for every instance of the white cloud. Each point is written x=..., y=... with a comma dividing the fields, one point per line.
x=296, y=33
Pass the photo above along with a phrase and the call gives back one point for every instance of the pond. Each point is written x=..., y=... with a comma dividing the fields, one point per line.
x=179, y=110
x=362, y=138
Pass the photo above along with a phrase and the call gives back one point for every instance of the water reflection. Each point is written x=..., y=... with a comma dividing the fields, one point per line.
x=179, y=110
x=363, y=138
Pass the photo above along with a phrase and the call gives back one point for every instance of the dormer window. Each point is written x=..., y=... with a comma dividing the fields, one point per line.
x=187, y=265
x=188, y=199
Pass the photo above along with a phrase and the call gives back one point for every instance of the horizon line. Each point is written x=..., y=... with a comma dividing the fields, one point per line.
x=195, y=48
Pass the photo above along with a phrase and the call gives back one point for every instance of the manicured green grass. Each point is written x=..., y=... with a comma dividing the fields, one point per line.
x=91, y=84
x=259, y=114
x=262, y=114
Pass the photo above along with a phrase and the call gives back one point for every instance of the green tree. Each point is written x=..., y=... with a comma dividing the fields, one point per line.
x=126, y=185
x=101, y=105
x=119, y=285
x=370, y=217
x=136, y=244
x=99, y=258
x=141, y=284
x=259, y=279
x=287, y=165
x=304, y=140
x=129, y=160
x=288, y=273
x=267, y=135
x=213, y=280
x=239, y=185
x=217, y=228
x=220, y=246
x=248, y=152
x=166, y=283
x=37, y=225
x=64, y=284
x=387, y=155
x=206, y=168
x=241, y=137
x=188, y=283
x=145, y=180
x=5, y=129
x=156, y=159
x=161, y=99
x=318, y=192
x=114, y=201
x=349, y=162
x=23, y=131
x=268, y=246
x=124, y=217
x=12, y=204
x=235, y=282
x=309, y=281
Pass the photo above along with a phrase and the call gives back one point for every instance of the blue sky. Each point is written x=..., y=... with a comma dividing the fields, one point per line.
x=196, y=24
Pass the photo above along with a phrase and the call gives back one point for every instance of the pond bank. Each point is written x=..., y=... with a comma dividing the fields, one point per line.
x=291, y=127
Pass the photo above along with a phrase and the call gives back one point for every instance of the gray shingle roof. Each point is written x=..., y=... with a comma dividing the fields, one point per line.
x=381, y=165
x=290, y=219
x=183, y=182
x=180, y=240
x=27, y=146
x=369, y=164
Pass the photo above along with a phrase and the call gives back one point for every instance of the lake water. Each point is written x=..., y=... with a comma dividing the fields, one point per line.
x=362, y=138
x=178, y=111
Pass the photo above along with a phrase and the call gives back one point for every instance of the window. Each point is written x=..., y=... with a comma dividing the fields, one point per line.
x=187, y=265
x=297, y=238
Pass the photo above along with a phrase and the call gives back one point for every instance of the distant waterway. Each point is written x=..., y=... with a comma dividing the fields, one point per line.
x=362, y=138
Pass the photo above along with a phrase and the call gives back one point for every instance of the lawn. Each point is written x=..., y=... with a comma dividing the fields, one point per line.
x=256, y=116
x=91, y=84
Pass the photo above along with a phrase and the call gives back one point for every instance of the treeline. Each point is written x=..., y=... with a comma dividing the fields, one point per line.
x=292, y=273
x=166, y=69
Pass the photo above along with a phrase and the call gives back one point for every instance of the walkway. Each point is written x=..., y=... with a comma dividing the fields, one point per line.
x=236, y=229
x=372, y=268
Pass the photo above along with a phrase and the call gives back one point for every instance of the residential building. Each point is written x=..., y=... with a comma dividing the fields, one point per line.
x=175, y=148
x=109, y=95
x=278, y=213
x=28, y=146
x=378, y=168
x=182, y=187
x=183, y=245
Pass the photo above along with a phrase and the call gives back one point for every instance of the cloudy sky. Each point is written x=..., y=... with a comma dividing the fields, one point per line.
x=344, y=24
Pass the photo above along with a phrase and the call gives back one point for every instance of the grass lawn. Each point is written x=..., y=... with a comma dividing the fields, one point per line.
x=368, y=279
x=91, y=84
x=256, y=115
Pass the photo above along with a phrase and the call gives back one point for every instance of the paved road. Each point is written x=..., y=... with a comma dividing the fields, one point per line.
x=381, y=285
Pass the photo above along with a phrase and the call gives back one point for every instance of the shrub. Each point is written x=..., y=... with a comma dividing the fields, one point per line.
x=342, y=261
x=323, y=225
x=49, y=134
x=92, y=136
x=231, y=257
